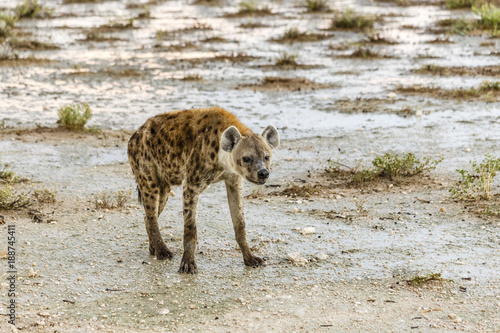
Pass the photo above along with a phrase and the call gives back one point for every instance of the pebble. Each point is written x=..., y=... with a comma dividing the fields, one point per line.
x=392, y=95
x=467, y=150
x=33, y=273
x=13, y=329
x=321, y=256
x=442, y=210
x=418, y=113
x=308, y=231
x=295, y=258
x=164, y=311
x=4, y=255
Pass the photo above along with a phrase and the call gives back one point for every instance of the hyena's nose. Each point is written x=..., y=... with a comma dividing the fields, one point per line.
x=263, y=174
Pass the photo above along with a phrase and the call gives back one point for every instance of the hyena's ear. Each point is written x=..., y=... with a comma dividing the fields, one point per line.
x=271, y=136
x=230, y=138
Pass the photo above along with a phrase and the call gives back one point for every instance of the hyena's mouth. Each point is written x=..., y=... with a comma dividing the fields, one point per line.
x=258, y=182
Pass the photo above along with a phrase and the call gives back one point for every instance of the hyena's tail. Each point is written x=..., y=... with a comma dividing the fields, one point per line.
x=139, y=195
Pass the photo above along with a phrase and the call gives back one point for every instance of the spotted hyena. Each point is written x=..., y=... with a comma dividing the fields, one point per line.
x=195, y=148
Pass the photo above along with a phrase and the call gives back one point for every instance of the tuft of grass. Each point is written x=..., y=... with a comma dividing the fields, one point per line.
x=108, y=200
x=490, y=16
x=7, y=22
x=43, y=195
x=317, y=6
x=74, y=116
x=192, y=77
x=32, y=9
x=387, y=166
x=407, y=165
x=349, y=19
x=292, y=33
x=251, y=7
x=419, y=280
x=476, y=184
x=457, y=4
x=286, y=59
x=13, y=201
x=145, y=13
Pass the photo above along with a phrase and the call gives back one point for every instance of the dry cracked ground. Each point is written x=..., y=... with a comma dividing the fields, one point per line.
x=385, y=255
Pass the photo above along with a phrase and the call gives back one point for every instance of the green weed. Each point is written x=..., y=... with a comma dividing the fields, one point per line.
x=457, y=4
x=407, y=165
x=387, y=166
x=74, y=116
x=317, y=6
x=10, y=200
x=350, y=19
x=476, y=184
x=286, y=59
x=108, y=200
x=490, y=16
x=251, y=7
x=32, y=9
x=7, y=22
x=419, y=280
x=43, y=195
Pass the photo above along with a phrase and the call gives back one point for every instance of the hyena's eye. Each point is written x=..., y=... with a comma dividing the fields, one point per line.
x=266, y=158
x=246, y=159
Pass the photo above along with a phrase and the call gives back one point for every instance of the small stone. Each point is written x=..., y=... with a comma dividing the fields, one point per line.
x=172, y=193
x=442, y=210
x=192, y=306
x=321, y=256
x=295, y=210
x=418, y=113
x=241, y=300
x=467, y=150
x=164, y=311
x=308, y=231
x=13, y=329
x=32, y=273
x=79, y=278
x=392, y=95
x=4, y=255
x=295, y=258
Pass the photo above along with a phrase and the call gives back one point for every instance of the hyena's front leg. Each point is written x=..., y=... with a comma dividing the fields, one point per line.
x=234, y=198
x=189, y=205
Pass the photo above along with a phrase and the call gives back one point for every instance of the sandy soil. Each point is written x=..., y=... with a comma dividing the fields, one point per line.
x=84, y=269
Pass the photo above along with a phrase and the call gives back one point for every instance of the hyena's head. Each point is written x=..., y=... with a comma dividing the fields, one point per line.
x=251, y=154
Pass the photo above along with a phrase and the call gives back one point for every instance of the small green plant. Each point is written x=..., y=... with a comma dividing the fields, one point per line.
x=360, y=206
x=350, y=19
x=74, y=116
x=457, y=4
x=490, y=16
x=286, y=59
x=476, y=184
x=7, y=22
x=43, y=195
x=406, y=165
x=10, y=200
x=292, y=33
x=251, y=7
x=419, y=280
x=32, y=9
x=8, y=176
x=317, y=6
x=107, y=200
x=387, y=166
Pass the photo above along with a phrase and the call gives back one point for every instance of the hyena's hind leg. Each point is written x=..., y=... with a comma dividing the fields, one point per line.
x=151, y=202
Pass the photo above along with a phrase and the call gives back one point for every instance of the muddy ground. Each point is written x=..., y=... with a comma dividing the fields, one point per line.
x=86, y=269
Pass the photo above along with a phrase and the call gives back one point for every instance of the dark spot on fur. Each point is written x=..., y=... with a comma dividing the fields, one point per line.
x=156, y=192
x=153, y=132
x=186, y=211
x=219, y=122
x=180, y=144
x=216, y=131
x=205, y=116
x=212, y=155
x=238, y=162
x=213, y=144
x=150, y=178
x=153, y=186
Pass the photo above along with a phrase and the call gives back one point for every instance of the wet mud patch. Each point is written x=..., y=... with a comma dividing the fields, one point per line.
x=486, y=91
x=493, y=70
x=273, y=83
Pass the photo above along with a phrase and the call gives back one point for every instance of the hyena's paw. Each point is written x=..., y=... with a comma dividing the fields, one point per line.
x=188, y=267
x=254, y=261
x=162, y=252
